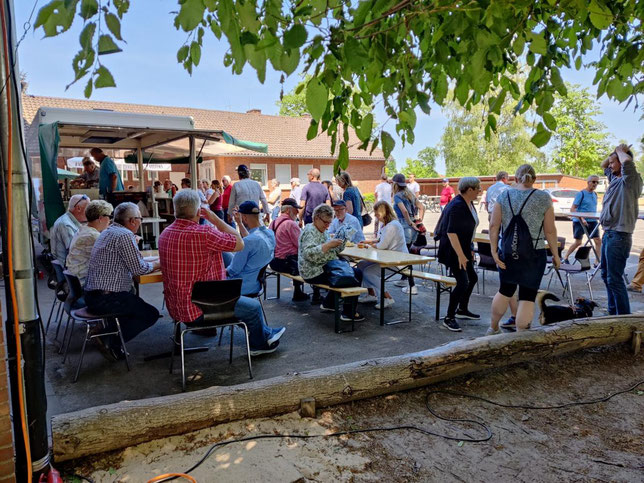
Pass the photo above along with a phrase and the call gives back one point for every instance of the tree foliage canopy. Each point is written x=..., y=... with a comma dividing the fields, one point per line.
x=424, y=166
x=404, y=53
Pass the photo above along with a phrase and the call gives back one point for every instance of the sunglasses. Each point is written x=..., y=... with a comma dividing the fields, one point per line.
x=83, y=197
x=594, y=182
x=111, y=217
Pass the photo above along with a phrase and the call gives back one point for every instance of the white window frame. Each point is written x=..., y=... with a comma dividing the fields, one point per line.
x=284, y=178
x=261, y=167
x=324, y=167
x=152, y=175
x=302, y=169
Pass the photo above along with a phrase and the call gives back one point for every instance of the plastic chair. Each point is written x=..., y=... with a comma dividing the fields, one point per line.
x=61, y=291
x=216, y=299
x=91, y=321
x=580, y=265
x=486, y=262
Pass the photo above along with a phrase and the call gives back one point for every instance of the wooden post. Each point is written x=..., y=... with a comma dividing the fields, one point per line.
x=636, y=342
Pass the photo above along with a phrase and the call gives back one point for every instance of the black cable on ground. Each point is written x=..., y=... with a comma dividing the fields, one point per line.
x=466, y=439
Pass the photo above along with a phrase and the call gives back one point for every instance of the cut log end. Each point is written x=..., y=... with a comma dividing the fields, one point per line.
x=636, y=342
x=307, y=407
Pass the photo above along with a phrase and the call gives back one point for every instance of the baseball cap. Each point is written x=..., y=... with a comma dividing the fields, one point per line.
x=290, y=202
x=339, y=203
x=249, y=208
x=445, y=180
x=399, y=179
x=242, y=167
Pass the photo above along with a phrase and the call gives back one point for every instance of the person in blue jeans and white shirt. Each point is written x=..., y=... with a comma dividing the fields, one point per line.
x=585, y=202
x=618, y=218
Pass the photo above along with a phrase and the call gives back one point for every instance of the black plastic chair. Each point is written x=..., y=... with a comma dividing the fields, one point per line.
x=216, y=299
x=580, y=265
x=61, y=292
x=90, y=320
x=486, y=262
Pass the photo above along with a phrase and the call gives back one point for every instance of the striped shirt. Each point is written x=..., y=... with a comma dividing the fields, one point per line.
x=115, y=260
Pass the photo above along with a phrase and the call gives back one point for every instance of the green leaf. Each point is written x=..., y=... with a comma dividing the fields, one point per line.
x=538, y=44
x=87, y=35
x=182, y=53
x=190, y=15
x=460, y=443
x=88, y=9
x=387, y=143
x=104, y=78
x=195, y=52
x=365, y=128
x=313, y=131
x=289, y=61
x=440, y=91
x=88, y=89
x=114, y=24
x=343, y=158
x=317, y=97
x=550, y=121
x=578, y=63
x=600, y=15
x=106, y=45
x=295, y=37
x=541, y=137
x=55, y=18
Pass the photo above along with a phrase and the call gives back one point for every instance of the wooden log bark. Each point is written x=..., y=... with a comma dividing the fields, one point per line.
x=83, y=433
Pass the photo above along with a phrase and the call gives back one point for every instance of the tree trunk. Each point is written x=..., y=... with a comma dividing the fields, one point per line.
x=104, y=428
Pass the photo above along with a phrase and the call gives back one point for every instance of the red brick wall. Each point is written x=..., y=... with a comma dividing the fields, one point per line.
x=433, y=186
x=6, y=435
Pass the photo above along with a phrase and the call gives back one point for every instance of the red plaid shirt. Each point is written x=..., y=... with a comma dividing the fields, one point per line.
x=190, y=253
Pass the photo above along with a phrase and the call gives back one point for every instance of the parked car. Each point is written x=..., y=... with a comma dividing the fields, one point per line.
x=562, y=198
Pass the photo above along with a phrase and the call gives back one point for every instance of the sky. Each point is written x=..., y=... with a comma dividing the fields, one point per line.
x=146, y=72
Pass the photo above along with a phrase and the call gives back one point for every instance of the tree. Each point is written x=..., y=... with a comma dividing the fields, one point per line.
x=293, y=104
x=425, y=164
x=580, y=141
x=390, y=166
x=404, y=52
x=467, y=152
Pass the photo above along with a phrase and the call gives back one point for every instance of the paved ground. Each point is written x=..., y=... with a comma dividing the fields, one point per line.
x=309, y=343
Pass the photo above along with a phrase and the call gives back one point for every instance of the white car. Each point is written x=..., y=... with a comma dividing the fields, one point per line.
x=562, y=198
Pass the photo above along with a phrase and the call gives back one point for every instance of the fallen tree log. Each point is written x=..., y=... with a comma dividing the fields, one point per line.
x=84, y=432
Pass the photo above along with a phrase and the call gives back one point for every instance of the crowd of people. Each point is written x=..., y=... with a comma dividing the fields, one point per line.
x=224, y=230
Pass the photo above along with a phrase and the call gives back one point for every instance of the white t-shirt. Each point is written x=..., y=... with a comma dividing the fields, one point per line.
x=383, y=192
x=414, y=187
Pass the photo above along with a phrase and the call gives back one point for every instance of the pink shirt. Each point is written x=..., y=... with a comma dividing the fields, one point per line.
x=287, y=234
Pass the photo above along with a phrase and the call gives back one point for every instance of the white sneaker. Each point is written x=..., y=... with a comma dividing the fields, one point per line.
x=388, y=303
x=368, y=299
x=401, y=283
x=414, y=290
x=491, y=331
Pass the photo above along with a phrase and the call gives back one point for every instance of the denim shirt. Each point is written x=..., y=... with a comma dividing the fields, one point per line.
x=259, y=247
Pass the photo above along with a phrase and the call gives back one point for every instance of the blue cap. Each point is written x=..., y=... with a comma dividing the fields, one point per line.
x=339, y=203
x=249, y=208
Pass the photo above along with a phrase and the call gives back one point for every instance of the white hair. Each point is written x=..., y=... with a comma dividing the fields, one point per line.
x=76, y=200
x=227, y=178
x=186, y=204
x=296, y=181
x=468, y=182
x=125, y=211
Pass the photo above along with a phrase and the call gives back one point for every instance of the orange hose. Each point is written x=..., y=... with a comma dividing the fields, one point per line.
x=170, y=475
x=12, y=281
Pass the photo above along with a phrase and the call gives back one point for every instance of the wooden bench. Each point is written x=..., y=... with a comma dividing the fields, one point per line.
x=443, y=284
x=339, y=294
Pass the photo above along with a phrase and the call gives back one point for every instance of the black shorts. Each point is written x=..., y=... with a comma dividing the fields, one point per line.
x=578, y=230
x=525, y=293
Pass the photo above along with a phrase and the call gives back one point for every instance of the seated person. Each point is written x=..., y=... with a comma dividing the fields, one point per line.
x=342, y=218
x=391, y=236
x=259, y=248
x=315, y=250
x=89, y=177
x=191, y=252
x=99, y=215
x=114, y=263
x=287, y=234
x=66, y=226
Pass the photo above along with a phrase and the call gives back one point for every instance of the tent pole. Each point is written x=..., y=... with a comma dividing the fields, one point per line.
x=193, y=163
x=139, y=159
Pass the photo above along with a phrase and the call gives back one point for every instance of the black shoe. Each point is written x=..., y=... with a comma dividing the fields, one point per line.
x=265, y=349
x=451, y=324
x=466, y=314
x=105, y=351
x=509, y=324
x=356, y=318
x=300, y=297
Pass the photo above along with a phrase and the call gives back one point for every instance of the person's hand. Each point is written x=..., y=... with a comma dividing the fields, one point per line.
x=583, y=221
x=498, y=261
x=156, y=265
x=556, y=261
x=331, y=244
x=237, y=215
x=267, y=218
x=413, y=225
x=301, y=223
x=462, y=261
x=622, y=147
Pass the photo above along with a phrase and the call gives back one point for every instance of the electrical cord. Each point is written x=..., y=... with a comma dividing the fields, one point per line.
x=466, y=439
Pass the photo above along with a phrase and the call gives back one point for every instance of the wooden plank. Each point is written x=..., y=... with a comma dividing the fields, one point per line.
x=83, y=433
x=434, y=277
x=386, y=258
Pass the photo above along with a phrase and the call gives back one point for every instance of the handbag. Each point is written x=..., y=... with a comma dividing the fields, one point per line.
x=366, y=217
x=340, y=274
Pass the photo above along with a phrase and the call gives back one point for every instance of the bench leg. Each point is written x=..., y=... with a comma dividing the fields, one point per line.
x=336, y=306
x=438, y=301
x=382, y=296
x=410, y=279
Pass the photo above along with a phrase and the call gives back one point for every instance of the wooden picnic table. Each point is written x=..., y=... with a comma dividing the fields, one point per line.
x=152, y=277
x=391, y=260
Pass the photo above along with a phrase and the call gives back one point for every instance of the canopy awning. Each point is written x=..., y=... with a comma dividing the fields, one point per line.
x=64, y=174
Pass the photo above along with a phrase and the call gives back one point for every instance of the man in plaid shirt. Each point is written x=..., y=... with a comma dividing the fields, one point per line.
x=114, y=261
x=190, y=252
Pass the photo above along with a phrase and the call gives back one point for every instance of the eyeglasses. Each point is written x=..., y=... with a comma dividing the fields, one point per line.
x=109, y=216
x=137, y=218
x=83, y=197
x=594, y=182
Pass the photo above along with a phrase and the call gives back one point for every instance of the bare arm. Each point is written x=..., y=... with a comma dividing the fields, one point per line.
x=113, y=180
x=421, y=209
x=349, y=206
x=216, y=194
x=495, y=228
x=550, y=232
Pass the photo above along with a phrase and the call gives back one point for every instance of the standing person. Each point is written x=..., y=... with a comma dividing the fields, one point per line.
x=618, y=218
x=287, y=235
x=169, y=188
x=638, y=278
x=585, y=202
x=381, y=193
x=296, y=190
x=413, y=186
x=526, y=214
x=407, y=209
x=457, y=228
x=206, y=188
x=247, y=189
x=215, y=199
x=390, y=237
x=109, y=176
x=274, y=198
x=351, y=196
x=225, y=198
x=66, y=226
x=447, y=194
x=89, y=178
x=335, y=190
x=314, y=194
x=493, y=192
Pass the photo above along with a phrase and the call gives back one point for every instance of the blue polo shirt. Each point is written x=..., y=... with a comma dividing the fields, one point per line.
x=259, y=249
x=108, y=167
x=585, y=202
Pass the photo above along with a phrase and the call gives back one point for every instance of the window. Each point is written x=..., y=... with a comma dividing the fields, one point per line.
x=135, y=173
x=152, y=175
x=259, y=172
x=326, y=172
x=302, y=169
x=283, y=173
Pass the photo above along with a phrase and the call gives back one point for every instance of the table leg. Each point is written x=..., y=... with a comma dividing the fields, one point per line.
x=382, y=295
x=438, y=301
x=410, y=279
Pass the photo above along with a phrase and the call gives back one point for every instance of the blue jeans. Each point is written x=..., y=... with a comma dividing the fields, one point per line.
x=249, y=311
x=616, y=246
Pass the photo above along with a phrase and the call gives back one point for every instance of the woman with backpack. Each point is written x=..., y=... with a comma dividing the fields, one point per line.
x=528, y=219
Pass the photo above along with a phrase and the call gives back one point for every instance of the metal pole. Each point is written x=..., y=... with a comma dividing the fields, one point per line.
x=139, y=159
x=23, y=271
x=193, y=163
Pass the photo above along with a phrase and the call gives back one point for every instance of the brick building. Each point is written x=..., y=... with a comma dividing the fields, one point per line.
x=6, y=433
x=289, y=155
